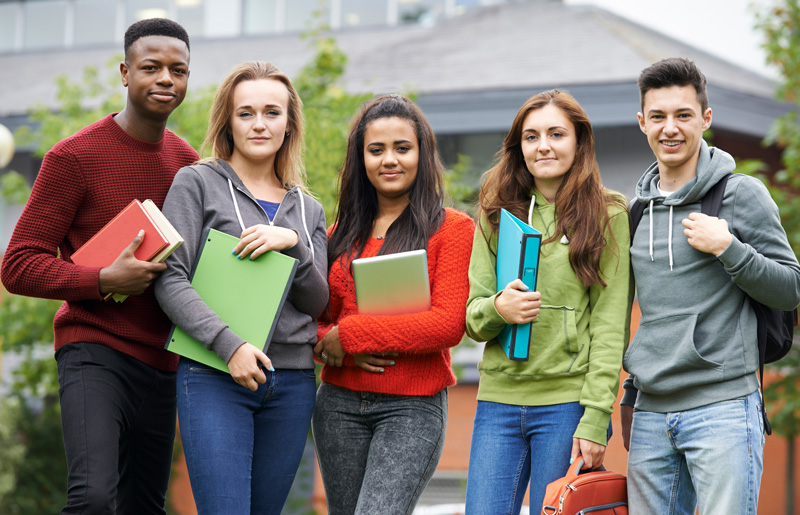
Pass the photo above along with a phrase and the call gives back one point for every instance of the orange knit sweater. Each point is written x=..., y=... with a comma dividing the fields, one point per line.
x=423, y=340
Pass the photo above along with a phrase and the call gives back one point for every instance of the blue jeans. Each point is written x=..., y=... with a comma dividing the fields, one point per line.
x=512, y=445
x=376, y=451
x=242, y=447
x=710, y=456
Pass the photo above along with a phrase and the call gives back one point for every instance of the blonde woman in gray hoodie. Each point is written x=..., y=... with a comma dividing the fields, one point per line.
x=243, y=433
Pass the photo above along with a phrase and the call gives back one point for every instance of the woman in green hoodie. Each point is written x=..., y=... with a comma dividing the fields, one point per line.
x=535, y=417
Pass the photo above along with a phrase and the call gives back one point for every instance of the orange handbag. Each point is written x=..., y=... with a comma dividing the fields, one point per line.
x=596, y=492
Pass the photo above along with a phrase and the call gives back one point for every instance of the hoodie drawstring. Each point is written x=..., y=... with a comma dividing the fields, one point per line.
x=669, y=239
x=669, y=236
x=236, y=206
x=651, y=230
x=530, y=210
x=302, y=215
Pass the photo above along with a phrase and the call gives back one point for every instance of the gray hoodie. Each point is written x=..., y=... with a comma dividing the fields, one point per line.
x=201, y=197
x=696, y=342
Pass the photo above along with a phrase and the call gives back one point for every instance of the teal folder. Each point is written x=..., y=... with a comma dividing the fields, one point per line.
x=247, y=295
x=517, y=258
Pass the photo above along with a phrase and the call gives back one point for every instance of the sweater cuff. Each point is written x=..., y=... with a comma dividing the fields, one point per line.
x=298, y=251
x=593, y=426
x=226, y=343
x=629, y=397
x=89, y=283
x=735, y=253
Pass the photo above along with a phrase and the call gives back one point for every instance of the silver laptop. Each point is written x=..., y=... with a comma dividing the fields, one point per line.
x=393, y=284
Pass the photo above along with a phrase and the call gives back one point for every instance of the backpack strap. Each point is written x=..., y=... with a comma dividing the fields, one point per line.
x=710, y=205
x=636, y=213
x=712, y=201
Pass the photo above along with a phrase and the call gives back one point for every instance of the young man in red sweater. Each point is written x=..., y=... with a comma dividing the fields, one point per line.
x=117, y=383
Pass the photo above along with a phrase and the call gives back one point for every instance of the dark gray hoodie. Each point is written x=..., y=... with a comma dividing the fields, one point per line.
x=696, y=342
x=201, y=197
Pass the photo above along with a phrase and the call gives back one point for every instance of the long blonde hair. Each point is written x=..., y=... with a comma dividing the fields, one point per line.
x=288, y=160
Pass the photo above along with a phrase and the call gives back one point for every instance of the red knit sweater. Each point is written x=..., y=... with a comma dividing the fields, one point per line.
x=422, y=339
x=84, y=181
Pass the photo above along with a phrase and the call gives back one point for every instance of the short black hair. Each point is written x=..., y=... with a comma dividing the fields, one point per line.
x=154, y=27
x=673, y=71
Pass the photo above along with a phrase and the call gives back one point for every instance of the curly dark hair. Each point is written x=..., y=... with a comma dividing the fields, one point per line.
x=154, y=27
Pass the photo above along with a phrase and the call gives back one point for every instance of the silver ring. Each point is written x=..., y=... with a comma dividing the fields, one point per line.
x=324, y=356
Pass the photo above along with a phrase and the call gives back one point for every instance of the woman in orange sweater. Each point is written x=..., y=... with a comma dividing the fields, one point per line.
x=381, y=411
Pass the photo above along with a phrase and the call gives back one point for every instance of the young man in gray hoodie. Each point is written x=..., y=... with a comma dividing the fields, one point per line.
x=696, y=435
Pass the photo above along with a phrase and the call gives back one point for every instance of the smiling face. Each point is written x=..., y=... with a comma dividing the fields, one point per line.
x=156, y=73
x=549, y=143
x=391, y=157
x=674, y=122
x=259, y=119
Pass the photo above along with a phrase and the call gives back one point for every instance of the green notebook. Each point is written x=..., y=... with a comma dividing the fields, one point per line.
x=247, y=295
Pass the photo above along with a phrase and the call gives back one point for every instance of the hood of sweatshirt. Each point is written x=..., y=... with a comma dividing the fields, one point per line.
x=712, y=165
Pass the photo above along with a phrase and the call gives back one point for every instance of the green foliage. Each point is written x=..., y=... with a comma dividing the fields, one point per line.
x=14, y=189
x=79, y=104
x=780, y=24
x=27, y=325
x=190, y=120
x=783, y=397
x=461, y=194
x=32, y=464
x=328, y=110
x=36, y=469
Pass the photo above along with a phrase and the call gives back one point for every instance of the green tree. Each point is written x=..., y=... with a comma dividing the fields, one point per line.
x=780, y=25
x=328, y=110
x=32, y=464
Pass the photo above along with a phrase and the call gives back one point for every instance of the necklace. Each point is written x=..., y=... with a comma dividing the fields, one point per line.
x=379, y=237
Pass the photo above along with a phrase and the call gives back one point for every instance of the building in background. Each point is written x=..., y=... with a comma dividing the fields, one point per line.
x=471, y=63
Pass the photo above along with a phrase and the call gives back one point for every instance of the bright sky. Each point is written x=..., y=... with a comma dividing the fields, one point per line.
x=721, y=27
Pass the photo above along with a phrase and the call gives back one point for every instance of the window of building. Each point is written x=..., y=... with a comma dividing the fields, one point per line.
x=95, y=22
x=425, y=12
x=260, y=17
x=9, y=18
x=45, y=25
x=143, y=9
x=300, y=14
x=221, y=18
x=190, y=16
x=462, y=6
x=357, y=13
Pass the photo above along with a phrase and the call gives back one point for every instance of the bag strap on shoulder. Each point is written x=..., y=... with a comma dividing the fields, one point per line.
x=710, y=204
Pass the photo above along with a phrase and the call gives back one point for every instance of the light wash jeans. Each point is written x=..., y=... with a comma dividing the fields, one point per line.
x=243, y=447
x=710, y=456
x=512, y=445
x=376, y=451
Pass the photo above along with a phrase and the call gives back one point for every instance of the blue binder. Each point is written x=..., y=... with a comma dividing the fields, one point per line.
x=517, y=258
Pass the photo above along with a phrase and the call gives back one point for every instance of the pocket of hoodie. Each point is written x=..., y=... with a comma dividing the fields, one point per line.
x=555, y=344
x=664, y=358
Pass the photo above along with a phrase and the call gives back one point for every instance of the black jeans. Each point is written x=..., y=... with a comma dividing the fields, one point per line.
x=377, y=452
x=118, y=418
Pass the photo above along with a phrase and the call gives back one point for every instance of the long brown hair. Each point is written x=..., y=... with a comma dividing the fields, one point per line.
x=358, y=200
x=581, y=201
x=288, y=160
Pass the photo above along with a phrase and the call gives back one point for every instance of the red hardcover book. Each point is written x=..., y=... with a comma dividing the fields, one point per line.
x=105, y=246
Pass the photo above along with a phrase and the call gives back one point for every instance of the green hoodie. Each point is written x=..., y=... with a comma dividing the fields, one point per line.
x=579, y=337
